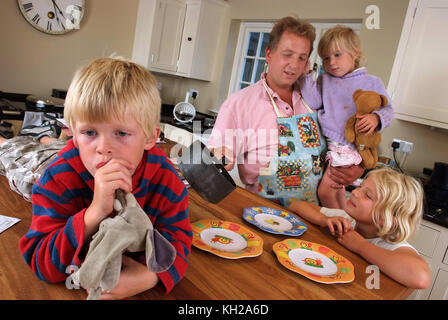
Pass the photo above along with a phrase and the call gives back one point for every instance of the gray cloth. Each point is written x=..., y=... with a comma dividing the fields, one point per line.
x=23, y=160
x=130, y=230
x=39, y=124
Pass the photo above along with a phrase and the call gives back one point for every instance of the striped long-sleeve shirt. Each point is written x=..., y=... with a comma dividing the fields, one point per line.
x=55, y=240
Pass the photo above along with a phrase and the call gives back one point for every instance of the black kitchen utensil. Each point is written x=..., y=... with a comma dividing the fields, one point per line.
x=205, y=173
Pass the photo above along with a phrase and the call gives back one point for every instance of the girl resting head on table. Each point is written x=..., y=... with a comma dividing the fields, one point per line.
x=377, y=220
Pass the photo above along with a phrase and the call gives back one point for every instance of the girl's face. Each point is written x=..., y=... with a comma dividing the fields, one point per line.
x=360, y=205
x=338, y=62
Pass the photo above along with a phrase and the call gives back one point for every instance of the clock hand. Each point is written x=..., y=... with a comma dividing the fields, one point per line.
x=56, y=13
x=55, y=5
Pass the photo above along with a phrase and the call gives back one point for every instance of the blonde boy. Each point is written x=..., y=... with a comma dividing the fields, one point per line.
x=113, y=110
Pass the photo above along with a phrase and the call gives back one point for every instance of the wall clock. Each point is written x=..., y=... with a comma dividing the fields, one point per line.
x=53, y=16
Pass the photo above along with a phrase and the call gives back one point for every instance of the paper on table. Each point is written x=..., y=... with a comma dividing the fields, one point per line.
x=6, y=222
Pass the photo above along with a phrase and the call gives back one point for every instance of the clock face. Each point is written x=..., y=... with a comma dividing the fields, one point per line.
x=53, y=16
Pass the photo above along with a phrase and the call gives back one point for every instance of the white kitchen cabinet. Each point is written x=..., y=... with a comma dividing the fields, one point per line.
x=179, y=37
x=418, y=79
x=440, y=288
x=431, y=241
x=167, y=34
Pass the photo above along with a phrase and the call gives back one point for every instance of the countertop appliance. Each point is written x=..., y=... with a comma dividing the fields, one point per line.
x=206, y=121
x=436, y=194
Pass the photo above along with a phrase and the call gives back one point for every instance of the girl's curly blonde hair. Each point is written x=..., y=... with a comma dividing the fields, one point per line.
x=399, y=208
x=342, y=38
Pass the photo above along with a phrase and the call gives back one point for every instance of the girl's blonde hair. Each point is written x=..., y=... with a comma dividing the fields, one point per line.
x=399, y=208
x=113, y=88
x=342, y=38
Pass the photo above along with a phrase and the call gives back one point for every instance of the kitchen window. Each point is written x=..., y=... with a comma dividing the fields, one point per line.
x=250, y=60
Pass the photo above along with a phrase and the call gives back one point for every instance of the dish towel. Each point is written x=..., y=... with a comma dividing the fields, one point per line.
x=130, y=230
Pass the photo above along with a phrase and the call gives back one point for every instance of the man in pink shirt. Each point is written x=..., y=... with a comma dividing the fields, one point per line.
x=246, y=130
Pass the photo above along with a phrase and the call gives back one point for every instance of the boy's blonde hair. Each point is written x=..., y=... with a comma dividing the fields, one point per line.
x=342, y=38
x=399, y=208
x=113, y=88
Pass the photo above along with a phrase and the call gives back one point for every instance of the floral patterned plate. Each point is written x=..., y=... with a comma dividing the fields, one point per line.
x=314, y=261
x=226, y=239
x=274, y=221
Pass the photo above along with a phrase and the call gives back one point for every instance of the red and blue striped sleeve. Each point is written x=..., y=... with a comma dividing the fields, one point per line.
x=167, y=207
x=56, y=235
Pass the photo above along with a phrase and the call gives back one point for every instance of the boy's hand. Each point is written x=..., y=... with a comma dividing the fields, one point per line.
x=116, y=174
x=367, y=123
x=134, y=279
x=352, y=240
x=338, y=225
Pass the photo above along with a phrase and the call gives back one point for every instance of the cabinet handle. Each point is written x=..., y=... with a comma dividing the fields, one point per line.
x=189, y=39
x=152, y=58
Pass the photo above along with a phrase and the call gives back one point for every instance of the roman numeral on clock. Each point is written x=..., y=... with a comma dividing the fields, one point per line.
x=49, y=25
x=28, y=6
x=36, y=18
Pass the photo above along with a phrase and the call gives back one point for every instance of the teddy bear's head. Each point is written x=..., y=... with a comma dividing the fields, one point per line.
x=368, y=101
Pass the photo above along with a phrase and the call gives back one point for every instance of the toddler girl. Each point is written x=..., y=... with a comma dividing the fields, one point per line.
x=379, y=217
x=332, y=94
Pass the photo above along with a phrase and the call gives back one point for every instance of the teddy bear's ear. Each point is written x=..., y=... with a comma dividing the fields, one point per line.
x=357, y=93
x=383, y=100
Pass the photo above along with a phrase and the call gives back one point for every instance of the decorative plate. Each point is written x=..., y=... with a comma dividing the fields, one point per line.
x=274, y=221
x=314, y=261
x=226, y=239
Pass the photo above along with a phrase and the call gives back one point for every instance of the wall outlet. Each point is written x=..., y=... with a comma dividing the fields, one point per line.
x=402, y=146
x=194, y=93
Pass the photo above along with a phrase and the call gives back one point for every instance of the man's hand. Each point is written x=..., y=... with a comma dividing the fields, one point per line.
x=345, y=175
x=229, y=158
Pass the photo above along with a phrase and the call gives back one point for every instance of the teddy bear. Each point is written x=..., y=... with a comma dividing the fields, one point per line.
x=366, y=102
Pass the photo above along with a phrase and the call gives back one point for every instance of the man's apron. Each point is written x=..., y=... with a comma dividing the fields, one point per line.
x=296, y=169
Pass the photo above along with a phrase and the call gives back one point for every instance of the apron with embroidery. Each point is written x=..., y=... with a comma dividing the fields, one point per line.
x=297, y=167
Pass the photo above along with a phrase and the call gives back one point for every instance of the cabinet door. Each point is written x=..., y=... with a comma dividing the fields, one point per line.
x=420, y=94
x=440, y=289
x=189, y=38
x=167, y=34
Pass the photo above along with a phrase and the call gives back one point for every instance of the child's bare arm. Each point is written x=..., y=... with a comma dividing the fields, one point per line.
x=309, y=211
x=403, y=264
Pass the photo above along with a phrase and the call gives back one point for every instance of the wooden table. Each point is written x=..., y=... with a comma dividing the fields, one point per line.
x=208, y=276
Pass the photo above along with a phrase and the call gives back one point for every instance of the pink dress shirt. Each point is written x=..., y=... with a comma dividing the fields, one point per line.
x=247, y=125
